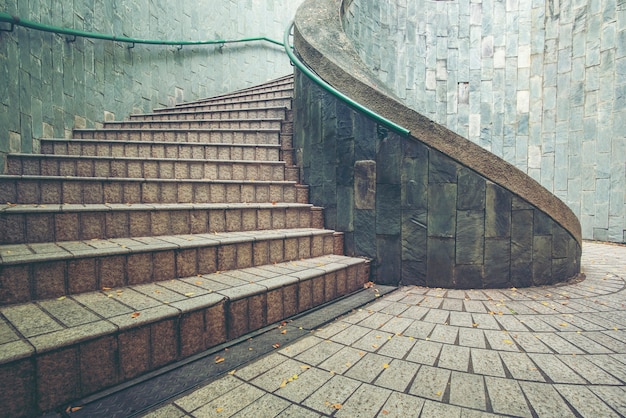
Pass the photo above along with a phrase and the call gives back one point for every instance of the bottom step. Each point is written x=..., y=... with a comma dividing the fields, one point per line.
x=73, y=346
x=148, y=392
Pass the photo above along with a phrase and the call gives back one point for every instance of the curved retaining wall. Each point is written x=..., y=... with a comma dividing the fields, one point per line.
x=432, y=208
x=541, y=84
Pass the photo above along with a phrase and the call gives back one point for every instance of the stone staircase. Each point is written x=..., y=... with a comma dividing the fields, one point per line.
x=134, y=246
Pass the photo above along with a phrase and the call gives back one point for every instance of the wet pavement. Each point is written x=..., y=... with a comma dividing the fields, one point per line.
x=545, y=351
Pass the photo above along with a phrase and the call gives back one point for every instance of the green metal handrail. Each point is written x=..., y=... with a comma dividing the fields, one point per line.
x=323, y=84
x=14, y=20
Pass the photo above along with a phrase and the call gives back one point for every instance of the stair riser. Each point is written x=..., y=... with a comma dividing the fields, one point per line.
x=27, y=281
x=207, y=124
x=152, y=169
x=158, y=150
x=18, y=228
x=221, y=137
x=278, y=113
x=100, y=191
x=51, y=378
x=278, y=102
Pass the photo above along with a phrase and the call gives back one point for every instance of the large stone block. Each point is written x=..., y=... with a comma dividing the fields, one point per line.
x=442, y=209
x=440, y=259
x=470, y=236
x=497, y=212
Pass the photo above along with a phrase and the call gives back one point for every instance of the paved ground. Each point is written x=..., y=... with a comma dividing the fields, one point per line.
x=550, y=351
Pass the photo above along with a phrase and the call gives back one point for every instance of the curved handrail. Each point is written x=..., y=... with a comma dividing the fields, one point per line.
x=323, y=84
x=14, y=20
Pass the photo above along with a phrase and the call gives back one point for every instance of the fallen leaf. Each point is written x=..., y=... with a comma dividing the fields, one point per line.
x=189, y=294
x=474, y=325
x=232, y=372
x=219, y=359
x=336, y=406
x=135, y=314
x=61, y=298
x=276, y=345
x=198, y=282
x=218, y=410
x=385, y=412
x=71, y=409
x=507, y=341
x=106, y=288
x=283, y=383
x=385, y=366
x=283, y=331
x=305, y=367
x=368, y=285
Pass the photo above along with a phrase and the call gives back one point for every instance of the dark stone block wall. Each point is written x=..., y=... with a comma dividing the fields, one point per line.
x=422, y=217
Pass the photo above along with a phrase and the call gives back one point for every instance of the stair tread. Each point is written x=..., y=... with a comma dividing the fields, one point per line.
x=179, y=129
x=41, y=326
x=48, y=251
x=141, y=179
x=124, y=158
x=110, y=207
x=243, y=109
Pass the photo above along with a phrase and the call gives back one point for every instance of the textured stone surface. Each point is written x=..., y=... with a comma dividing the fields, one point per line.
x=433, y=222
x=352, y=367
x=522, y=82
x=71, y=89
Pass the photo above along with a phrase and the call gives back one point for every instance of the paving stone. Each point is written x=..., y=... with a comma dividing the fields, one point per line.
x=397, y=347
x=319, y=352
x=402, y=405
x=506, y=397
x=208, y=393
x=486, y=362
x=267, y=405
x=437, y=409
x=230, y=403
x=373, y=341
x=467, y=390
x=425, y=352
x=470, y=337
x=588, y=371
x=454, y=357
x=343, y=360
x=308, y=381
x=366, y=401
x=585, y=401
x=335, y=391
x=614, y=396
x=430, y=383
x=521, y=367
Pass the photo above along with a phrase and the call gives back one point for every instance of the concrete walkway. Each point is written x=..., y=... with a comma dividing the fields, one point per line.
x=550, y=351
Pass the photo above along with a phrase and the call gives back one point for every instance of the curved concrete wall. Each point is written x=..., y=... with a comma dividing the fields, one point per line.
x=430, y=208
x=540, y=84
x=49, y=86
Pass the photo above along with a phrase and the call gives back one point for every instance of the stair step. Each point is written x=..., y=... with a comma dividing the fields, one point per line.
x=69, y=267
x=225, y=136
x=100, y=190
x=53, y=223
x=137, y=167
x=158, y=149
x=230, y=124
x=246, y=96
x=245, y=114
x=287, y=81
x=61, y=349
x=251, y=94
x=262, y=103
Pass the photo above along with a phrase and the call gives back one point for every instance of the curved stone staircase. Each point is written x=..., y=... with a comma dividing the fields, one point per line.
x=145, y=242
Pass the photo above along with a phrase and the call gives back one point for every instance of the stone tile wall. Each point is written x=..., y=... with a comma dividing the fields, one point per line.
x=421, y=216
x=538, y=83
x=50, y=85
